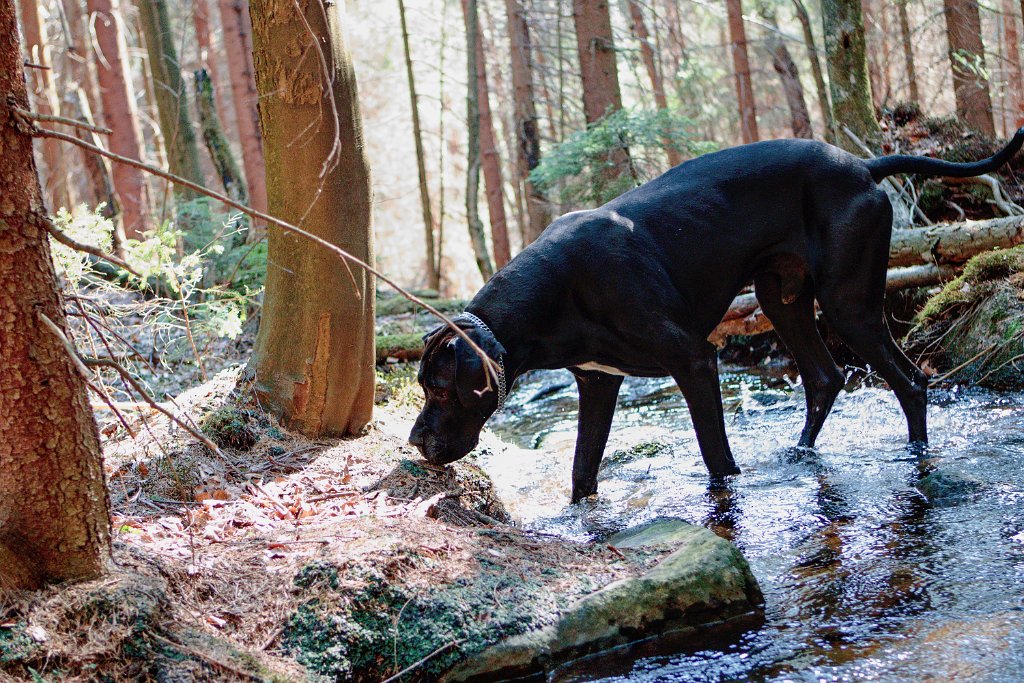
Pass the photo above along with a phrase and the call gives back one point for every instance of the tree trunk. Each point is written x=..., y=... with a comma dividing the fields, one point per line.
x=234, y=18
x=170, y=94
x=741, y=72
x=784, y=65
x=526, y=129
x=204, y=43
x=1015, y=78
x=44, y=100
x=79, y=86
x=314, y=356
x=120, y=115
x=819, y=78
x=967, y=59
x=908, y=51
x=871, y=50
x=489, y=162
x=476, y=226
x=216, y=142
x=433, y=273
x=598, y=70
x=848, y=74
x=639, y=27
x=54, y=522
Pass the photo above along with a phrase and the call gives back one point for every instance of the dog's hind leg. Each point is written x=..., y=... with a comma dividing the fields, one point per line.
x=697, y=377
x=794, y=323
x=851, y=293
x=598, y=393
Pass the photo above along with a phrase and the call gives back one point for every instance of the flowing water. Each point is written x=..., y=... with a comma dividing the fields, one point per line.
x=865, y=577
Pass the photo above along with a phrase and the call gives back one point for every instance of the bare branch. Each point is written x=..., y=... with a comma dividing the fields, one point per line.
x=74, y=123
x=86, y=248
x=492, y=366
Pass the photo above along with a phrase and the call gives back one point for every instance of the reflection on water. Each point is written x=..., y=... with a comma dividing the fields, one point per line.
x=865, y=577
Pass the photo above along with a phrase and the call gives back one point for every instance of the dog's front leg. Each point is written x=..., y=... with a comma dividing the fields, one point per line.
x=598, y=393
x=697, y=377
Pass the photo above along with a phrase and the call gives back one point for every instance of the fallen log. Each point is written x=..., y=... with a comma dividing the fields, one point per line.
x=954, y=242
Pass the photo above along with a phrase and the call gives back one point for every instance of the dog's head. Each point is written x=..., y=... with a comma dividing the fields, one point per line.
x=454, y=379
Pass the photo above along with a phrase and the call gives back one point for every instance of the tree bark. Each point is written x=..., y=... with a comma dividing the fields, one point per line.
x=489, y=162
x=44, y=100
x=639, y=28
x=475, y=225
x=871, y=45
x=433, y=274
x=526, y=129
x=848, y=76
x=741, y=72
x=1014, y=76
x=966, y=58
x=216, y=142
x=782, y=62
x=313, y=363
x=234, y=18
x=170, y=94
x=908, y=51
x=54, y=521
x=120, y=115
x=204, y=43
x=819, y=79
x=599, y=70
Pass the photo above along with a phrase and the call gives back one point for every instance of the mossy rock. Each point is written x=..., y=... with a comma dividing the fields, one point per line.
x=399, y=305
x=231, y=427
x=640, y=451
x=404, y=347
x=974, y=327
x=943, y=487
x=705, y=580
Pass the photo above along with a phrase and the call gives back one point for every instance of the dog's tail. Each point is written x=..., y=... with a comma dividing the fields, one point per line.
x=882, y=167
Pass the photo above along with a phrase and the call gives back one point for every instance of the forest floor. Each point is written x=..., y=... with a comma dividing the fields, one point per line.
x=285, y=558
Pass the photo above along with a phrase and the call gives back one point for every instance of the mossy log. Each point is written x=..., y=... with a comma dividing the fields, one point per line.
x=403, y=347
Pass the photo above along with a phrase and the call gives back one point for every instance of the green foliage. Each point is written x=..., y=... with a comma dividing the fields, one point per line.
x=579, y=165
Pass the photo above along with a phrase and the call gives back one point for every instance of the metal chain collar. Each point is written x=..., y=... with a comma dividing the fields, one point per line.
x=477, y=322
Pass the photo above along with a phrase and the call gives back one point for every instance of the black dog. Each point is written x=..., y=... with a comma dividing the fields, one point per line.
x=636, y=286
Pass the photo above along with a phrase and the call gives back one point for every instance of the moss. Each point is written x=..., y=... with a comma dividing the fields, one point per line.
x=964, y=289
x=231, y=427
x=398, y=305
x=383, y=627
x=16, y=645
x=400, y=346
x=640, y=451
x=317, y=574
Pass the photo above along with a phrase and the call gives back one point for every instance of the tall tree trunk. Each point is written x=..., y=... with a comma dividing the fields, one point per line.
x=476, y=226
x=741, y=72
x=526, y=129
x=908, y=51
x=216, y=142
x=639, y=27
x=871, y=45
x=490, y=164
x=848, y=74
x=234, y=19
x=784, y=65
x=433, y=273
x=314, y=356
x=598, y=69
x=54, y=521
x=120, y=115
x=204, y=43
x=1015, y=79
x=170, y=94
x=44, y=100
x=819, y=78
x=967, y=60
x=79, y=87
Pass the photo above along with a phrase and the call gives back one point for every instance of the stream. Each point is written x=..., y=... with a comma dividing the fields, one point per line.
x=865, y=576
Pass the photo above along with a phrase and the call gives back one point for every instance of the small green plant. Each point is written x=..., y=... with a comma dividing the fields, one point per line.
x=579, y=165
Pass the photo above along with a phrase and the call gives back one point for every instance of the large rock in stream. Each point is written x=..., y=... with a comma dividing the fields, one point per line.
x=704, y=580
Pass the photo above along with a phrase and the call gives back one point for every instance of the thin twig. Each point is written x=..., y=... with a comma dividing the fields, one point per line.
x=963, y=365
x=74, y=123
x=207, y=658
x=492, y=366
x=87, y=248
x=423, y=661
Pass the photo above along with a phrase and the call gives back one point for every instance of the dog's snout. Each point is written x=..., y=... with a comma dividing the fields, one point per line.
x=416, y=438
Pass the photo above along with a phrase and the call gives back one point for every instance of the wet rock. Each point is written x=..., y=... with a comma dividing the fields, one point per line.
x=666, y=531
x=706, y=579
x=946, y=487
x=641, y=451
